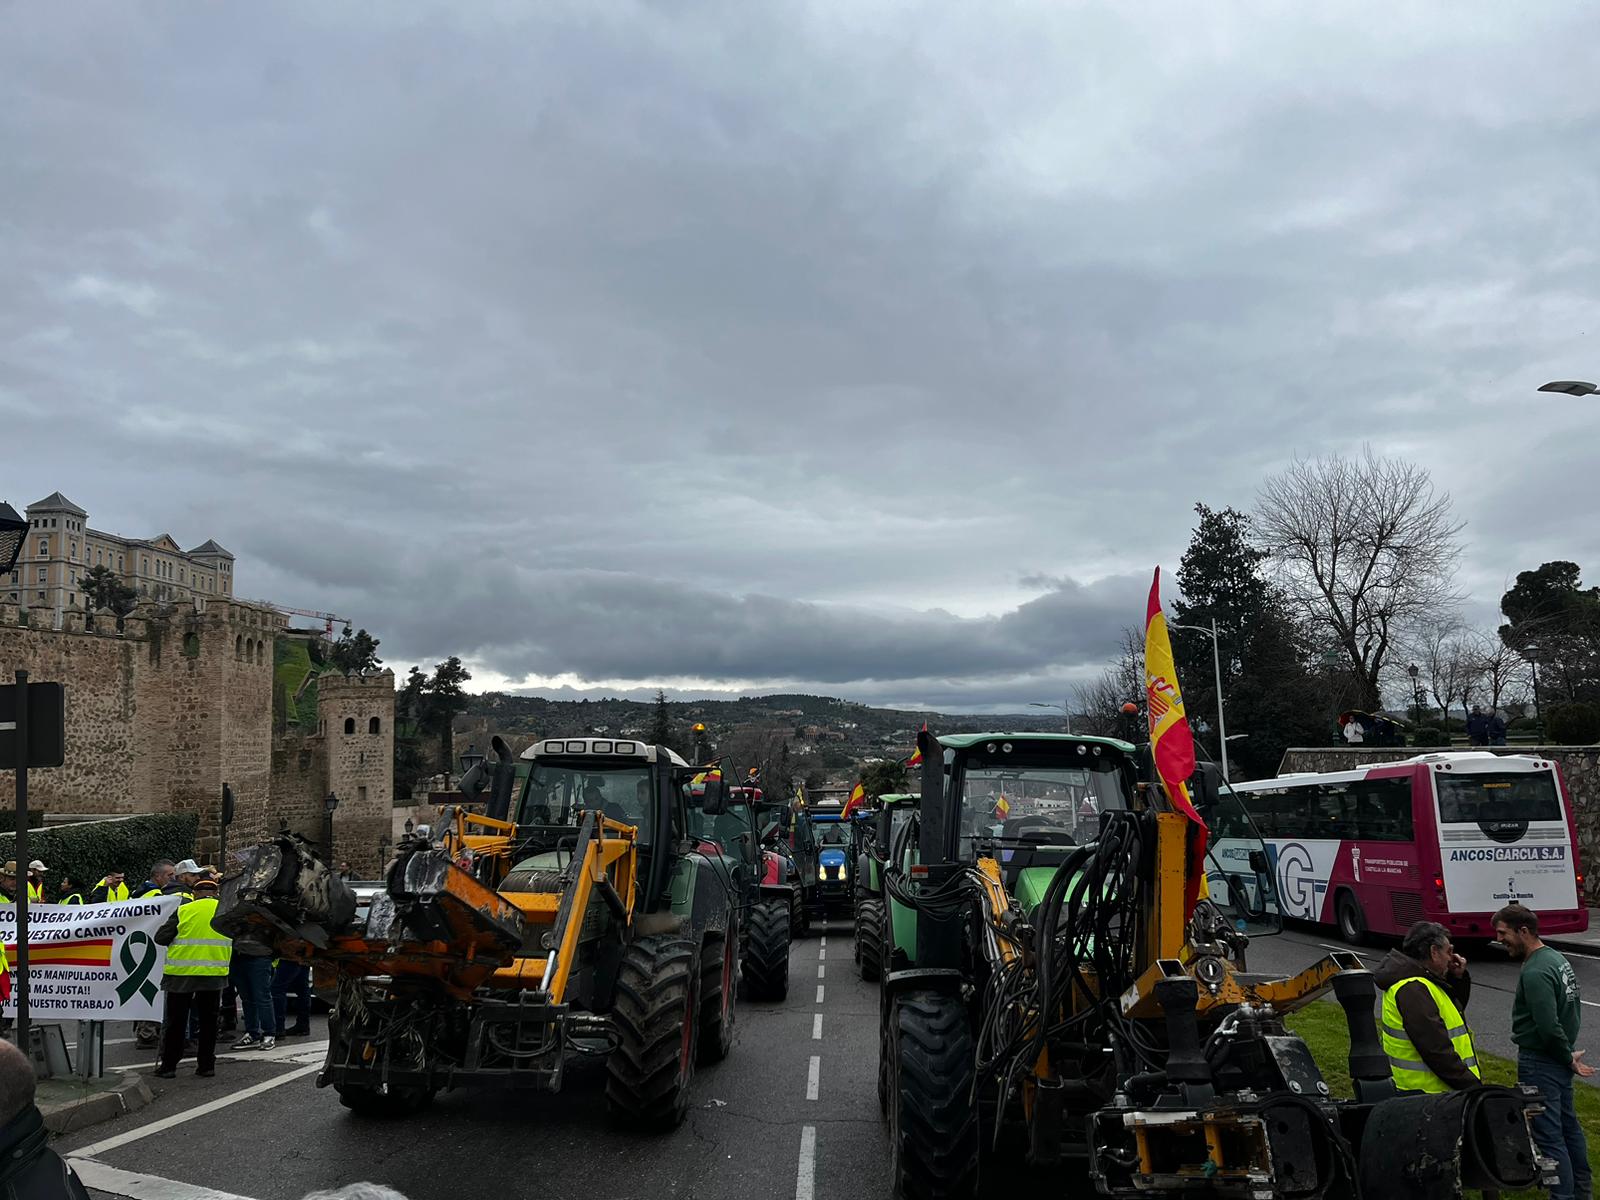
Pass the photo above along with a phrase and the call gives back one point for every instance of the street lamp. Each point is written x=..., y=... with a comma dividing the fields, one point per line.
x=1571, y=387
x=329, y=803
x=410, y=826
x=470, y=757
x=13, y=532
x=1416, y=693
x=1063, y=709
x=1216, y=660
x=1531, y=654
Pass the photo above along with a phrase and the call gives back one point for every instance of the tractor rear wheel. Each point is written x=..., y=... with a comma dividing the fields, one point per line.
x=933, y=1121
x=869, y=939
x=717, y=975
x=365, y=1101
x=655, y=1018
x=766, y=967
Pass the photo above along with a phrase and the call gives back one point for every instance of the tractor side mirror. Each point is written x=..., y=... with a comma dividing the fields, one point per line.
x=714, y=801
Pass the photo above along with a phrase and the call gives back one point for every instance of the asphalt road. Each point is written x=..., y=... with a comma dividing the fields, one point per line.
x=791, y=1112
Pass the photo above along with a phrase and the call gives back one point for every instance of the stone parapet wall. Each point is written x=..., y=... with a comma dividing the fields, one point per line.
x=1579, y=766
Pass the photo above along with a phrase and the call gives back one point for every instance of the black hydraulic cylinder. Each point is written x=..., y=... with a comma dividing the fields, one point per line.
x=933, y=813
x=1186, y=1060
x=1369, y=1065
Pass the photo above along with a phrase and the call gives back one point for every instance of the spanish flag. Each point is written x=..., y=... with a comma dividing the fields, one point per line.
x=697, y=785
x=1002, y=806
x=858, y=797
x=1171, y=742
x=916, y=755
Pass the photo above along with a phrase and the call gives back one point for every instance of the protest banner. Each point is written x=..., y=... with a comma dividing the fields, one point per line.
x=91, y=962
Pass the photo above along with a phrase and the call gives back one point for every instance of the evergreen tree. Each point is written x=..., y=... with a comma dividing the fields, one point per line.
x=660, y=722
x=354, y=653
x=444, y=699
x=105, y=589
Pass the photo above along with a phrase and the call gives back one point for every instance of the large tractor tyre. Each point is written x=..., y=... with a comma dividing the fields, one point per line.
x=869, y=939
x=655, y=1018
x=800, y=919
x=933, y=1119
x=766, y=968
x=718, y=958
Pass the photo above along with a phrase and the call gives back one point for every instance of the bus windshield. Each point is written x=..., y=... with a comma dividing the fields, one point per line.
x=1479, y=799
x=556, y=791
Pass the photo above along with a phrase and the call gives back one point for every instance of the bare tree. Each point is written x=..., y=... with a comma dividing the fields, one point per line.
x=1099, y=702
x=1503, y=671
x=1366, y=547
x=1450, y=660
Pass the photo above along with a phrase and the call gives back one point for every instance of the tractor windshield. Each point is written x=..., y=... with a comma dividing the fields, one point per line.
x=833, y=833
x=556, y=791
x=1036, y=800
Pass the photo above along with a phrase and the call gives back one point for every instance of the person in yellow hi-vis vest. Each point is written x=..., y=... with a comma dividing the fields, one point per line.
x=196, y=973
x=1425, y=990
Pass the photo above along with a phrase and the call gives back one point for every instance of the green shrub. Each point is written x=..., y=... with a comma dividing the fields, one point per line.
x=1575, y=724
x=1429, y=735
x=87, y=851
x=8, y=819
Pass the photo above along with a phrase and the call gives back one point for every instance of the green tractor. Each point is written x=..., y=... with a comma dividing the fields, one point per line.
x=877, y=834
x=1066, y=989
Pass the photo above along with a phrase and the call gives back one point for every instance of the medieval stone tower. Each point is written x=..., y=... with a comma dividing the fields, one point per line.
x=356, y=716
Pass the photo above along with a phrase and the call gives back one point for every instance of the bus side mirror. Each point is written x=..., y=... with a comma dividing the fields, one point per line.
x=1206, y=786
x=1258, y=861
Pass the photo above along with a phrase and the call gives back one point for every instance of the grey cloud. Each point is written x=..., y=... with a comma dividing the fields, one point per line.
x=773, y=333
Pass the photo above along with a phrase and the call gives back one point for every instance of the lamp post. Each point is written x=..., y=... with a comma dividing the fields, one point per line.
x=1216, y=660
x=329, y=803
x=1571, y=387
x=1066, y=712
x=1531, y=654
x=470, y=757
x=1416, y=693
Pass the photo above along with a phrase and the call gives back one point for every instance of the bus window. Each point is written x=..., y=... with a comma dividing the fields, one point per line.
x=1333, y=812
x=1475, y=799
x=1383, y=810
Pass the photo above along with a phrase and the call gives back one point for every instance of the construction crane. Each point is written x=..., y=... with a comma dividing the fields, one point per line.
x=326, y=618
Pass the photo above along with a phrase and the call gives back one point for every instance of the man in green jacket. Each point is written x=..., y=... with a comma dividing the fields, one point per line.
x=1545, y=1017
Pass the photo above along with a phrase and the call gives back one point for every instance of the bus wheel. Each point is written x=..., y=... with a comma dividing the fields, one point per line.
x=1352, y=921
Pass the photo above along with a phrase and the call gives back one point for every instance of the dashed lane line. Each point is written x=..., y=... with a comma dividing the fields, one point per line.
x=95, y=1149
x=819, y=993
x=814, y=1077
x=135, y=1186
x=822, y=970
x=805, y=1183
x=816, y=1028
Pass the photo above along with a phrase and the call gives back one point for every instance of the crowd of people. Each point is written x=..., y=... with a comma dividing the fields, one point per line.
x=1426, y=986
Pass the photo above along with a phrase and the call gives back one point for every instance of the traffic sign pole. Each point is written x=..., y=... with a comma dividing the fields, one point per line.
x=22, y=862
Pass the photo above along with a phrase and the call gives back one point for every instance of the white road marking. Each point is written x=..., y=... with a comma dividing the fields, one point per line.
x=816, y=1028
x=822, y=952
x=822, y=943
x=1591, y=1003
x=108, y=1042
x=819, y=993
x=814, y=1077
x=166, y=1123
x=142, y=1187
x=805, y=1182
x=822, y=970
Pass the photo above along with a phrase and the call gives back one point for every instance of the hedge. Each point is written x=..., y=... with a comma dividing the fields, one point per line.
x=1430, y=735
x=8, y=819
x=1574, y=724
x=88, y=850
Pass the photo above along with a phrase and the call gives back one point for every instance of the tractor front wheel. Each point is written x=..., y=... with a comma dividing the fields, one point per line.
x=655, y=1018
x=766, y=967
x=717, y=976
x=933, y=1121
x=869, y=939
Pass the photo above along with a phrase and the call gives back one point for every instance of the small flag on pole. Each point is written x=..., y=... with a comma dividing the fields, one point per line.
x=858, y=797
x=1002, y=806
x=916, y=755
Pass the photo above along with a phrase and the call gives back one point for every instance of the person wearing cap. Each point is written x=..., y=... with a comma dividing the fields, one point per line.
x=36, y=870
x=8, y=882
x=112, y=888
x=188, y=873
x=196, y=973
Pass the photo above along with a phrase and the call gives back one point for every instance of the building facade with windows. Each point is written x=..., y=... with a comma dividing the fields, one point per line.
x=61, y=549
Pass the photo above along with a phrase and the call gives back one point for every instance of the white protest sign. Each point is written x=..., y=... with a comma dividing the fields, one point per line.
x=91, y=962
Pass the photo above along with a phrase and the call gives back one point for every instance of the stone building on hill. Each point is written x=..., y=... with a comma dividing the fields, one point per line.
x=169, y=703
x=61, y=548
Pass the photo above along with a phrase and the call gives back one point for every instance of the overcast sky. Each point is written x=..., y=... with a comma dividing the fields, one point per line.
x=873, y=350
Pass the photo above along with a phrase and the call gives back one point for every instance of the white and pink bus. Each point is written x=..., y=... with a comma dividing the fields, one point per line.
x=1446, y=837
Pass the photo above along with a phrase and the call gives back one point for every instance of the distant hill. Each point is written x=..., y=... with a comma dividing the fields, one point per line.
x=824, y=732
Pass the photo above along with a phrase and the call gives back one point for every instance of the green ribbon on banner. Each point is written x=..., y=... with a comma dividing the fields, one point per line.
x=138, y=980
